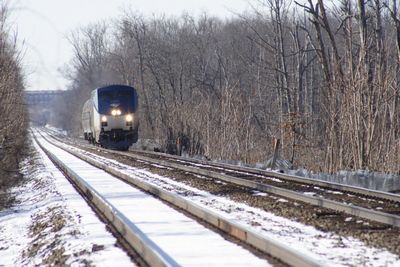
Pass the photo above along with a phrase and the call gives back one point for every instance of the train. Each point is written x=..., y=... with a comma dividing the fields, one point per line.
x=109, y=117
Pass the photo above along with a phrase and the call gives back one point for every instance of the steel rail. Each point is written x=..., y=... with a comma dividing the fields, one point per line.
x=267, y=245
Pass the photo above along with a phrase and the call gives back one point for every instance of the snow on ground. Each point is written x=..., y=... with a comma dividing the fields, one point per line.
x=52, y=225
x=330, y=248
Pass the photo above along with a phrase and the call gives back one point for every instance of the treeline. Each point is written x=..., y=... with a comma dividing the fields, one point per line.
x=323, y=79
x=13, y=119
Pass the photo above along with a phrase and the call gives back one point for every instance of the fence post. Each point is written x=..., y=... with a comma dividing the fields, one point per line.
x=276, y=148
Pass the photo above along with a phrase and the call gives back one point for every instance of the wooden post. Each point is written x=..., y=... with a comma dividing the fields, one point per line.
x=178, y=146
x=276, y=148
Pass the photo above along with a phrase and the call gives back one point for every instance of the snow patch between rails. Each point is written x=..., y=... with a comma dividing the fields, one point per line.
x=332, y=249
x=52, y=225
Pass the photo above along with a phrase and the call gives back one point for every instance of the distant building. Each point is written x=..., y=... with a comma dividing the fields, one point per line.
x=40, y=105
x=41, y=97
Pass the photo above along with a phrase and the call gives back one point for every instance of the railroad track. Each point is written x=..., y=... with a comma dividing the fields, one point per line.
x=264, y=175
x=149, y=250
x=377, y=206
x=345, y=226
x=373, y=205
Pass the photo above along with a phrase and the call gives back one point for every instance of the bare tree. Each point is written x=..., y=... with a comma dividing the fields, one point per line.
x=13, y=122
x=322, y=78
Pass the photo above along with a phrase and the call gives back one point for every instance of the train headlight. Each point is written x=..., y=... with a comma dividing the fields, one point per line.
x=116, y=112
x=129, y=118
x=104, y=121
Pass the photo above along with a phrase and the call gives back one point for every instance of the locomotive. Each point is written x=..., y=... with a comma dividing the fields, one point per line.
x=109, y=117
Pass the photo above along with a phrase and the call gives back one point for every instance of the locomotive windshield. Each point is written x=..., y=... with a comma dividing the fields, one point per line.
x=122, y=98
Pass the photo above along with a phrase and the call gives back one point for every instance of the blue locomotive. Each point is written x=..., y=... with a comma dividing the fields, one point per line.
x=109, y=117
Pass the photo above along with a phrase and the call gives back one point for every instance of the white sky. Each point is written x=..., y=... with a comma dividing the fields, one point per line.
x=42, y=27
